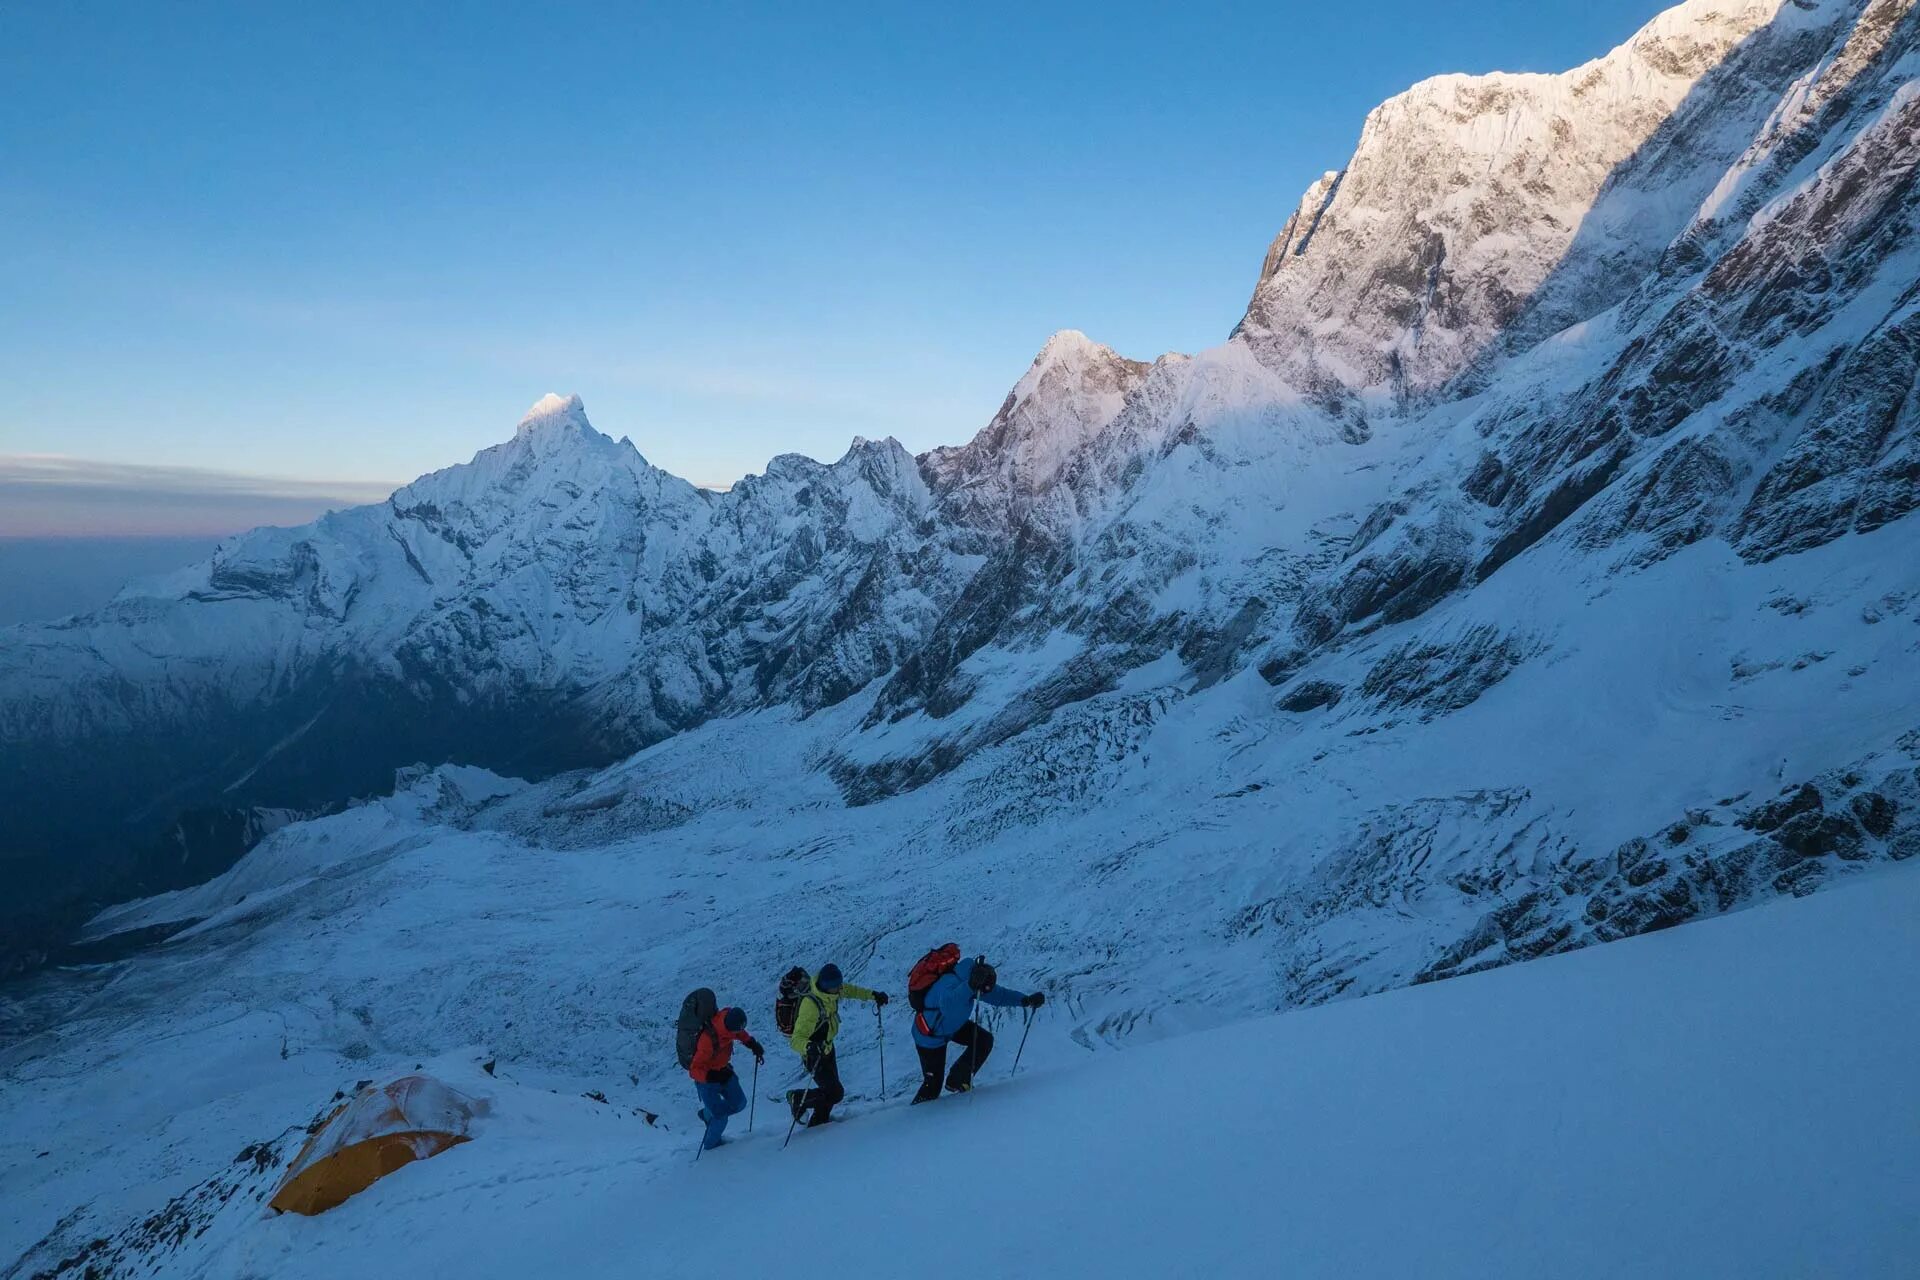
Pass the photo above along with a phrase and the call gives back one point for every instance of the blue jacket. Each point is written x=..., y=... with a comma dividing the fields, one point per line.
x=950, y=1004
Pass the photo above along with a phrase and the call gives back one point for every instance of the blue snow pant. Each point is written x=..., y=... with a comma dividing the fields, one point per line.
x=720, y=1101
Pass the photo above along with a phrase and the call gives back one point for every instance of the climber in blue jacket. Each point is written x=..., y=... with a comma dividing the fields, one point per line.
x=948, y=1015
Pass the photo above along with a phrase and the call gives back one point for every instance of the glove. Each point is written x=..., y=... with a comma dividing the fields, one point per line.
x=880, y=999
x=1034, y=1001
x=759, y=1054
x=811, y=1059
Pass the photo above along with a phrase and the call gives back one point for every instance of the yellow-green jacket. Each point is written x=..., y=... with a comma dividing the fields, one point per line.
x=821, y=1009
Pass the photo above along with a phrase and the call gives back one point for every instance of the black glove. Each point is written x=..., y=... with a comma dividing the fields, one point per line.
x=880, y=998
x=759, y=1054
x=719, y=1075
x=811, y=1058
x=1034, y=1001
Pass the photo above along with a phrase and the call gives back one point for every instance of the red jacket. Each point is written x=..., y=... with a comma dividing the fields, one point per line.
x=713, y=1051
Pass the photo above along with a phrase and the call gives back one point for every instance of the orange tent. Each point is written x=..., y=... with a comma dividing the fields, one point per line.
x=372, y=1134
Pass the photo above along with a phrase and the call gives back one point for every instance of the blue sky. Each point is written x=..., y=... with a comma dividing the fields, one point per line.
x=351, y=242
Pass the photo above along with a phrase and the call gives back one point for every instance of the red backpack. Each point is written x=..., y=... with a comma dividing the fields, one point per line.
x=932, y=965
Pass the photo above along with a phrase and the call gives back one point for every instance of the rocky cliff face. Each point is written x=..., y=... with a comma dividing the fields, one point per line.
x=1584, y=322
x=1480, y=214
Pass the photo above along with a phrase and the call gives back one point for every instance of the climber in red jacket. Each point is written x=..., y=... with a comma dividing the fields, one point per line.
x=713, y=1076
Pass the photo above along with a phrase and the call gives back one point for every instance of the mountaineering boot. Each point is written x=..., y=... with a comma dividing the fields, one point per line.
x=960, y=1086
x=796, y=1101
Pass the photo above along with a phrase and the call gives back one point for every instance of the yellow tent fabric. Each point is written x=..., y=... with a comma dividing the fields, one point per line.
x=372, y=1134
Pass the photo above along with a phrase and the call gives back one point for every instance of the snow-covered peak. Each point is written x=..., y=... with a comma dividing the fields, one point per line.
x=1071, y=344
x=1073, y=353
x=1073, y=389
x=554, y=411
x=1481, y=212
x=886, y=447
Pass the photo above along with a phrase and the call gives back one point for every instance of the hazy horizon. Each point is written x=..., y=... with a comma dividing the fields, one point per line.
x=43, y=579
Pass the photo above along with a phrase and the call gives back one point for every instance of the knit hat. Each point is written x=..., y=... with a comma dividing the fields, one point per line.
x=829, y=978
x=982, y=977
x=735, y=1020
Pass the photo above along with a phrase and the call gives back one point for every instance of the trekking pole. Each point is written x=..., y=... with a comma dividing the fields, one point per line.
x=753, y=1103
x=880, y=1035
x=973, y=1050
x=1023, y=1043
x=790, y=1128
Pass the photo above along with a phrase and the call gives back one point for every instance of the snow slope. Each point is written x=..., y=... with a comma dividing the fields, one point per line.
x=1732, y=1099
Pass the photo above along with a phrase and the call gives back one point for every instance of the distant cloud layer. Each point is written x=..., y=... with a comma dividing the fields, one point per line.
x=47, y=496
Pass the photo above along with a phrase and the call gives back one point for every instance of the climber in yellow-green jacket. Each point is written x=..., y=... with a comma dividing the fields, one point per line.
x=815, y=1025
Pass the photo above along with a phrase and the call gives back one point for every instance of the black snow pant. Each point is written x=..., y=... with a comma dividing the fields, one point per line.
x=827, y=1092
x=976, y=1043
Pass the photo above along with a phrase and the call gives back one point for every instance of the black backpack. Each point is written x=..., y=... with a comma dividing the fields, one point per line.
x=794, y=986
x=696, y=1017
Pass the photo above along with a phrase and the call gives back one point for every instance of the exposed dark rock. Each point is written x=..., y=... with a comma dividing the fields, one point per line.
x=1667, y=902
x=1280, y=668
x=1405, y=569
x=1545, y=516
x=1802, y=799
x=1647, y=872
x=1440, y=677
x=1800, y=879
x=1650, y=884
x=1814, y=835
x=1309, y=694
x=1854, y=464
x=1213, y=653
x=1631, y=854
x=1488, y=482
x=1677, y=499
x=1874, y=812
x=928, y=678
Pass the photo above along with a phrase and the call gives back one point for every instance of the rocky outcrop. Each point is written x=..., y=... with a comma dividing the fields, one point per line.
x=1701, y=865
